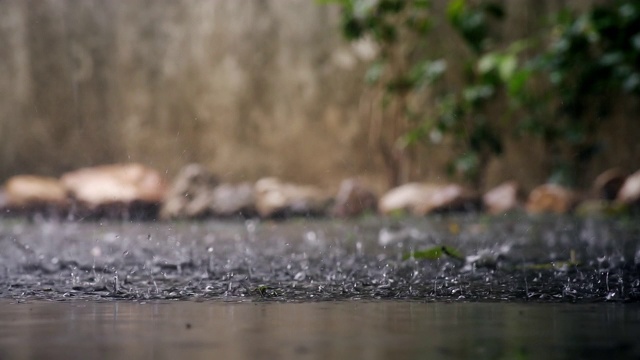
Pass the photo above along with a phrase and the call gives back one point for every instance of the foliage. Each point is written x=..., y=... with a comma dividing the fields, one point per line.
x=591, y=63
x=406, y=70
x=549, y=85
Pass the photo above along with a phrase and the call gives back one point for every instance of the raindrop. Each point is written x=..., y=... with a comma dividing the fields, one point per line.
x=96, y=252
x=115, y=283
x=251, y=226
x=210, y=264
x=300, y=276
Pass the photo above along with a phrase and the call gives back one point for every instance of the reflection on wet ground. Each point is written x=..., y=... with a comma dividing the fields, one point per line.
x=317, y=330
x=521, y=258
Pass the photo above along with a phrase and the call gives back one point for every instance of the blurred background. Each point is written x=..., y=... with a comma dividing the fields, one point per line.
x=314, y=92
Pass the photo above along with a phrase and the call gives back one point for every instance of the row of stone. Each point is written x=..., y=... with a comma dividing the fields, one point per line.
x=134, y=191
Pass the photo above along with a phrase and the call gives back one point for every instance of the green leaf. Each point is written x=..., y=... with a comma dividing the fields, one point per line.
x=467, y=163
x=398, y=213
x=632, y=83
x=261, y=290
x=635, y=41
x=612, y=59
x=352, y=29
x=362, y=9
x=435, y=253
x=452, y=252
x=488, y=63
x=375, y=72
x=494, y=9
x=507, y=67
x=420, y=25
x=428, y=71
x=415, y=135
x=422, y=4
x=400, y=85
x=455, y=9
x=475, y=94
x=391, y=6
x=555, y=265
x=387, y=33
x=517, y=82
x=518, y=46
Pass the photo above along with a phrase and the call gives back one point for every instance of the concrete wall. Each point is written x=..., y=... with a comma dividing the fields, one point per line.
x=248, y=88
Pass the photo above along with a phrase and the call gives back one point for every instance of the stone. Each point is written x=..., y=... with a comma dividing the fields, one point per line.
x=607, y=185
x=353, y=199
x=551, y=198
x=630, y=191
x=117, y=190
x=502, y=198
x=191, y=194
x=403, y=198
x=29, y=195
x=423, y=198
x=275, y=198
x=234, y=200
x=3, y=200
x=30, y=190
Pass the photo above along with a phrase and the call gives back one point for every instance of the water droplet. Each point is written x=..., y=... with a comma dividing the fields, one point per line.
x=300, y=276
x=96, y=251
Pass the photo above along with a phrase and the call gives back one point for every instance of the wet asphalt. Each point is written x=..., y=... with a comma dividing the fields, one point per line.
x=513, y=258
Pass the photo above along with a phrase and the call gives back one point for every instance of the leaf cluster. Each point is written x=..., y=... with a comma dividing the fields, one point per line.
x=559, y=84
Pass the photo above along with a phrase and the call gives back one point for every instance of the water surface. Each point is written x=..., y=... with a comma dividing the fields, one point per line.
x=317, y=330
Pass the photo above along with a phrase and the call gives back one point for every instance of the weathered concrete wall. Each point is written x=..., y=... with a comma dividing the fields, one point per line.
x=248, y=88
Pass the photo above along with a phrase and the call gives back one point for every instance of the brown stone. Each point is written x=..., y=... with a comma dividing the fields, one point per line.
x=234, y=200
x=191, y=193
x=551, y=198
x=118, y=190
x=424, y=198
x=28, y=190
x=275, y=198
x=502, y=198
x=30, y=196
x=607, y=185
x=353, y=199
x=630, y=191
x=403, y=198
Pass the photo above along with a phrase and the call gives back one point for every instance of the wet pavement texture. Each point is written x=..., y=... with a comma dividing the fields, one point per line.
x=317, y=330
x=510, y=258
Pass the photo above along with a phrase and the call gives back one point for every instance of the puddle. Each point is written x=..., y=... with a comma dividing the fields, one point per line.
x=317, y=330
